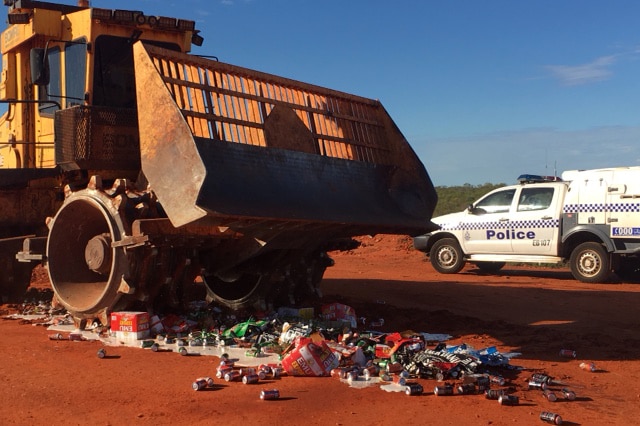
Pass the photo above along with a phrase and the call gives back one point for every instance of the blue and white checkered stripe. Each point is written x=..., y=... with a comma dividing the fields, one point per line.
x=602, y=208
x=516, y=224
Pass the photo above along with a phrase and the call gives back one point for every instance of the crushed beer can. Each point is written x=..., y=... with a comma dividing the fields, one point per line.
x=497, y=379
x=588, y=366
x=549, y=417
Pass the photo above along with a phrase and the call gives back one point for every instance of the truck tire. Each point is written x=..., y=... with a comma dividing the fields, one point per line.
x=446, y=256
x=490, y=267
x=590, y=263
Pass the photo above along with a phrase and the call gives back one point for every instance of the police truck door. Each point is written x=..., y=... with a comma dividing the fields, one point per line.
x=535, y=224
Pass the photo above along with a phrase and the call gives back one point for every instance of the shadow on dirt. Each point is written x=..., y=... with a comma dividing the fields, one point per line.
x=598, y=322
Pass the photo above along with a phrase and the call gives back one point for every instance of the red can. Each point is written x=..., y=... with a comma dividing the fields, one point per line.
x=250, y=379
x=247, y=371
x=567, y=353
x=199, y=384
x=231, y=376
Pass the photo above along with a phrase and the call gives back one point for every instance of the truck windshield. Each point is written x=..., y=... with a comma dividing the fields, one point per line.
x=113, y=77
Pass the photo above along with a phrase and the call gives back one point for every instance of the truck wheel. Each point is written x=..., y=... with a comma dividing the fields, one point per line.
x=590, y=263
x=490, y=267
x=446, y=256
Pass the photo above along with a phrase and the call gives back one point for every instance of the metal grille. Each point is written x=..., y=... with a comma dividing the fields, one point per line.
x=225, y=102
x=97, y=138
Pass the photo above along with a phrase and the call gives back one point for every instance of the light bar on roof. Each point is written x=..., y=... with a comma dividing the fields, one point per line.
x=185, y=25
x=102, y=14
x=166, y=22
x=126, y=15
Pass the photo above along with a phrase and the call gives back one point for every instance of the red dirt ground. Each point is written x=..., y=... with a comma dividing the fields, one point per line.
x=534, y=311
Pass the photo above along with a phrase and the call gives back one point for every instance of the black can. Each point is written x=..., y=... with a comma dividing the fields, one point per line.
x=467, y=389
x=413, y=389
x=269, y=394
x=508, y=400
x=552, y=418
x=443, y=390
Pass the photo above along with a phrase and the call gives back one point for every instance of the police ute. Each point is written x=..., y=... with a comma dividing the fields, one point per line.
x=588, y=218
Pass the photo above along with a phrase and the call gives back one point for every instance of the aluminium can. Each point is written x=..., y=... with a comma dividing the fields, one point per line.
x=413, y=389
x=102, y=353
x=444, y=390
x=549, y=417
x=535, y=385
x=508, y=400
x=568, y=353
x=269, y=394
x=568, y=394
x=56, y=336
x=250, y=379
x=467, y=388
x=199, y=384
x=494, y=393
x=231, y=376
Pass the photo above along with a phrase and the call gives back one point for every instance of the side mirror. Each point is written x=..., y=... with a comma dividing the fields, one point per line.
x=39, y=67
x=470, y=208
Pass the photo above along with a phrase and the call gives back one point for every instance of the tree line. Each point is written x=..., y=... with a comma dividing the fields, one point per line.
x=453, y=199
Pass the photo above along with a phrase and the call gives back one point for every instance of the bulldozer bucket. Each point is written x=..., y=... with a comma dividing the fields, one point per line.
x=224, y=144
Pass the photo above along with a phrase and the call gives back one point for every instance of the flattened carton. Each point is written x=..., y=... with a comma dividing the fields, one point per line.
x=130, y=325
x=310, y=358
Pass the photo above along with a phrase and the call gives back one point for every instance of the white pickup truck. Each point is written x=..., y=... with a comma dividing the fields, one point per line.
x=590, y=218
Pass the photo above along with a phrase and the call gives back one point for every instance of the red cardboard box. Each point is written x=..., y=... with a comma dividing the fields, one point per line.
x=310, y=359
x=130, y=325
x=339, y=312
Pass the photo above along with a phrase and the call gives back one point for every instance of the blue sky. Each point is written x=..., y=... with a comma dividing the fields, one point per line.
x=483, y=90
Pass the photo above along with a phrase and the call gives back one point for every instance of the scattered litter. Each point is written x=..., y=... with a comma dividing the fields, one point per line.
x=297, y=342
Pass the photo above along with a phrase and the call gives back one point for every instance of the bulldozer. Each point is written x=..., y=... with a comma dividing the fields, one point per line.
x=130, y=167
